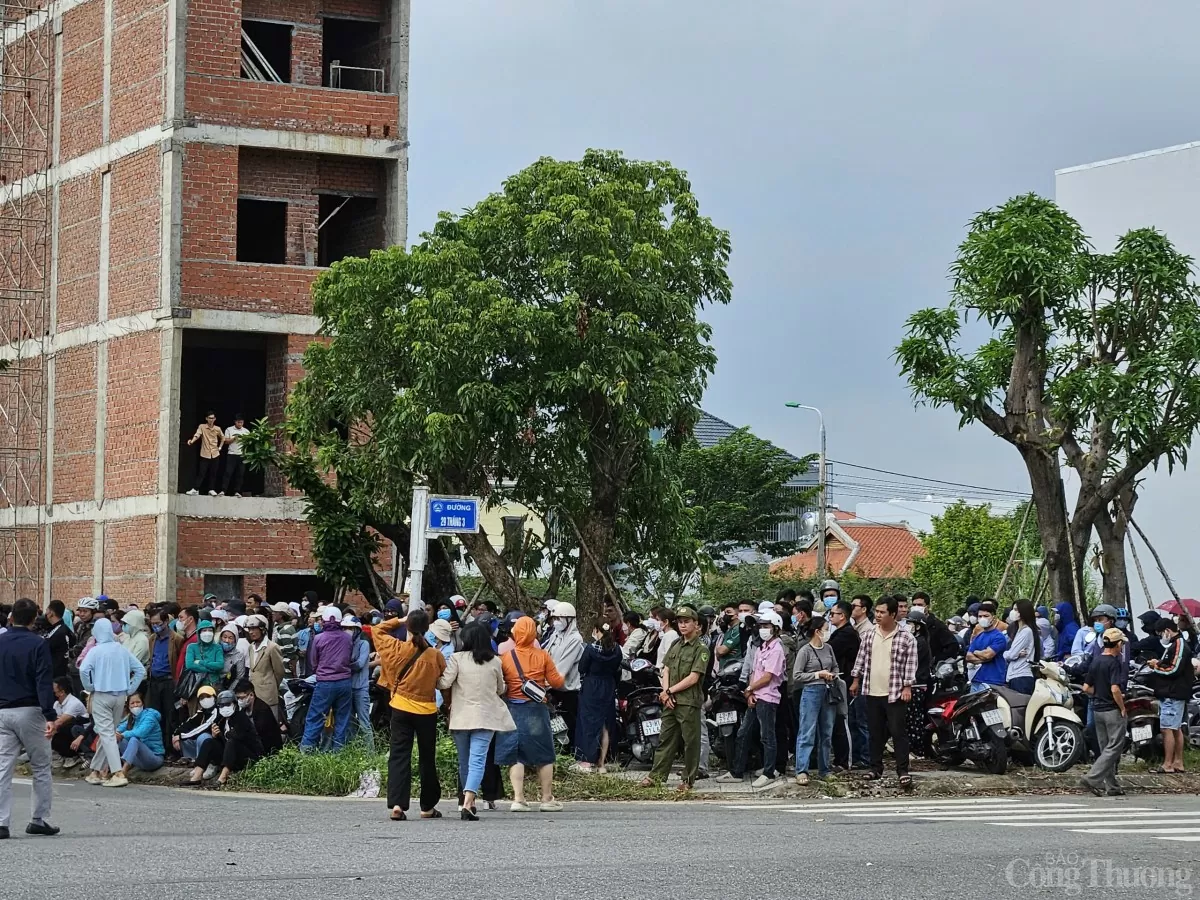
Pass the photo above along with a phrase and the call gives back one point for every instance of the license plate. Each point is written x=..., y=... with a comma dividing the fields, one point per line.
x=558, y=724
x=992, y=717
x=727, y=718
x=1142, y=733
x=651, y=726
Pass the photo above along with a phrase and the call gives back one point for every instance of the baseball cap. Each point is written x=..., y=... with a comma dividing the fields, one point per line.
x=282, y=608
x=1115, y=635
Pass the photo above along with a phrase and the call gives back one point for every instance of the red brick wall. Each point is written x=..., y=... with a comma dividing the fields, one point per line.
x=78, y=250
x=256, y=104
x=210, y=184
x=130, y=553
x=134, y=241
x=75, y=425
x=248, y=286
x=71, y=566
x=82, y=98
x=214, y=43
x=138, y=56
x=131, y=446
x=211, y=546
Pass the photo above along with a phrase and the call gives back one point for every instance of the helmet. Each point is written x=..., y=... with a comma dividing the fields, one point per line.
x=88, y=603
x=226, y=698
x=770, y=618
x=917, y=616
x=707, y=611
x=513, y=615
x=349, y=620
x=563, y=611
x=830, y=585
x=1105, y=610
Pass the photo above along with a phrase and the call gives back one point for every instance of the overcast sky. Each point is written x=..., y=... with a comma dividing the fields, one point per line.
x=844, y=145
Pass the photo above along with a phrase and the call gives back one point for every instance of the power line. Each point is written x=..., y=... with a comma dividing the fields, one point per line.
x=911, y=478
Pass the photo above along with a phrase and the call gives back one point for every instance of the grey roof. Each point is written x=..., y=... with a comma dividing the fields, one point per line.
x=710, y=431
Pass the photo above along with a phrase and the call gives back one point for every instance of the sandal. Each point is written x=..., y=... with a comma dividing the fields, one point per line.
x=872, y=776
x=434, y=813
x=906, y=782
x=398, y=816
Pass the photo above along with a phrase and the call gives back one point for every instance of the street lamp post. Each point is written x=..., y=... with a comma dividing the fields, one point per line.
x=823, y=484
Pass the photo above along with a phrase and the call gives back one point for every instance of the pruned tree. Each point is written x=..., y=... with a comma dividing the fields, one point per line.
x=1092, y=359
x=522, y=351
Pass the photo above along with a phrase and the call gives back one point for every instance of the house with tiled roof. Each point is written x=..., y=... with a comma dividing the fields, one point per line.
x=867, y=549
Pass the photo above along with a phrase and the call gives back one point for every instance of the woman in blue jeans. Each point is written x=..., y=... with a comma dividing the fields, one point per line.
x=474, y=685
x=814, y=670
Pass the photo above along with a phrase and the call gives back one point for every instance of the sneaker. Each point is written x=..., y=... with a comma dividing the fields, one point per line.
x=116, y=780
x=552, y=806
x=212, y=493
x=71, y=762
x=94, y=778
x=802, y=779
x=209, y=773
x=56, y=759
x=193, y=492
x=3, y=832
x=520, y=807
x=728, y=778
x=1115, y=792
x=582, y=768
x=762, y=781
x=220, y=493
x=602, y=770
x=237, y=495
x=1090, y=785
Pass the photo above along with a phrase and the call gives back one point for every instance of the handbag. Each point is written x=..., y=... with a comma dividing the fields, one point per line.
x=189, y=682
x=530, y=689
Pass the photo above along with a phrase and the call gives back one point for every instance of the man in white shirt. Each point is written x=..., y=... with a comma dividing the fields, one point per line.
x=70, y=711
x=235, y=468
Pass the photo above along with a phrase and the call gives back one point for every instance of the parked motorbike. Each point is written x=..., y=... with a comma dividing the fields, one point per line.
x=727, y=710
x=1144, y=734
x=558, y=727
x=297, y=697
x=639, y=712
x=964, y=725
x=1193, y=718
x=1043, y=726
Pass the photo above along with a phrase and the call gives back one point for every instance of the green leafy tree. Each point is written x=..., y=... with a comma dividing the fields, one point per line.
x=523, y=350
x=966, y=554
x=1092, y=359
x=733, y=495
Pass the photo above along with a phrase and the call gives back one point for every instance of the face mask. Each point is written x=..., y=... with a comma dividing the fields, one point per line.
x=317, y=628
x=1123, y=624
x=116, y=627
x=206, y=637
x=135, y=711
x=541, y=617
x=795, y=621
x=830, y=602
x=226, y=711
x=207, y=702
x=560, y=625
x=742, y=616
x=226, y=647
x=245, y=703
x=971, y=620
x=444, y=615
x=1098, y=628
x=157, y=629
x=653, y=624
x=985, y=622
x=727, y=620
x=1166, y=642
x=765, y=634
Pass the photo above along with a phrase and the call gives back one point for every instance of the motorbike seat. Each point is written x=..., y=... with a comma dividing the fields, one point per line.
x=1017, y=702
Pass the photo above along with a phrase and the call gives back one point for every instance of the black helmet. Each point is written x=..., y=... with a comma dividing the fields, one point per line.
x=226, y=698
x=707, y=611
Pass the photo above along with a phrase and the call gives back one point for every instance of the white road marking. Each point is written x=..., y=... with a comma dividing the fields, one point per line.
x=1154, y=831
x=840, y=806
x=1040, y=808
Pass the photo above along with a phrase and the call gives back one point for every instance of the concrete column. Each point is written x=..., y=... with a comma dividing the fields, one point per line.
x=395, y=223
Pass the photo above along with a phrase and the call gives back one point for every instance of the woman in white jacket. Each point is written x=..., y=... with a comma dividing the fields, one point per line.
x=565, y=646
x=474, y=683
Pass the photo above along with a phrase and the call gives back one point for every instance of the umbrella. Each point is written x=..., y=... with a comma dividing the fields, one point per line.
x=1171, y=607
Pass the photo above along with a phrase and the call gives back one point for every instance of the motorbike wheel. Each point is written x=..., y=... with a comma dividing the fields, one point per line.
x=997, y=760
x=1150, y=752
x=1058, y=747
x=729, y=749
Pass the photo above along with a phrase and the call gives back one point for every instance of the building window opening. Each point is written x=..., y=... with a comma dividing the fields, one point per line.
x=261, y=231
x=266, y=51
x=351, y=55
x=348, y=226
x=291, y=588
x=224, y=587
x=223, y=373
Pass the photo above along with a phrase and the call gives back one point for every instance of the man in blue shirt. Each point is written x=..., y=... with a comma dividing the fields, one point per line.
x=987, y=650
x=160, y=686
x=27, y=715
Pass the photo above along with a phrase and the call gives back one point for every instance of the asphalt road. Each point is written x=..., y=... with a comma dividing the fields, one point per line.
x=151, y=842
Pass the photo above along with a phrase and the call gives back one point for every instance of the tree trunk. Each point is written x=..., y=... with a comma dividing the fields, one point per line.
x=596, y=533
x=1112, y=528
x=495, y=571
x=439, y=581
x=1064, y=563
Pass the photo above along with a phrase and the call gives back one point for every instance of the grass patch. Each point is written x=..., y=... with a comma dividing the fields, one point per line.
x=337, y=774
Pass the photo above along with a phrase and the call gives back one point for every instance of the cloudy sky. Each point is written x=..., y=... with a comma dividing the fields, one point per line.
x=844, y=144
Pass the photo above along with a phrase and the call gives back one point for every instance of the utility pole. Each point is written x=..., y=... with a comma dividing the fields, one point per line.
x=823, y=484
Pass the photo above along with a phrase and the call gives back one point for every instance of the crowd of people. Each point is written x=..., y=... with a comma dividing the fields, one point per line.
x=828, y=682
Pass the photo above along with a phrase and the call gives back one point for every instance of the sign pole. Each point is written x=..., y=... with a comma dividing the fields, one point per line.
x=418, y=546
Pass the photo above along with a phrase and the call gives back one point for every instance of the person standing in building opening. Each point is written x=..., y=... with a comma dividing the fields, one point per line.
x=235, y=467
x=27, y=716
x=209, y=434
x=681, y=696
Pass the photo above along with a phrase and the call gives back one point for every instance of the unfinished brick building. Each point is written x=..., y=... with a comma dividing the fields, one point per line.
x=173, y=176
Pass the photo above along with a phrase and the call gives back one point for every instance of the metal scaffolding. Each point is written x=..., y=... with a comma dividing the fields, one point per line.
x=26, y=94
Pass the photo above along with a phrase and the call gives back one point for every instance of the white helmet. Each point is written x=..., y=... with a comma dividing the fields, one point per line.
x=88, y=603
x=563, y=611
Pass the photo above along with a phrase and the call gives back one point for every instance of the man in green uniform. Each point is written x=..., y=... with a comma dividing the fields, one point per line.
x=682, y=695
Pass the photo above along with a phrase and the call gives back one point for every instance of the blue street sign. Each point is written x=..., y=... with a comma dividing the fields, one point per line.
x=454, y=515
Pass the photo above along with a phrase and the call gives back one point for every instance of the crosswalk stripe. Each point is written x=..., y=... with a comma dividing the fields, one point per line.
x=1191, y=838
x=840, y=806
x=1155, y=831
x=1137, y=819
x=969, y=813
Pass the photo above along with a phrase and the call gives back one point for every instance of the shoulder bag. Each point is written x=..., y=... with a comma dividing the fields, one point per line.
x=530, y=689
